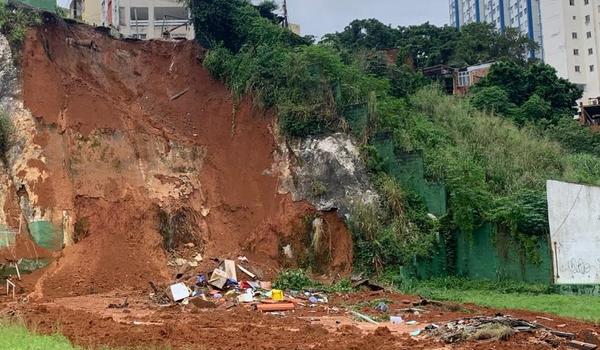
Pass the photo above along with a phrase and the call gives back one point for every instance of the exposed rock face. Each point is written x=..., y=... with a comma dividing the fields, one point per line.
x=8, y=72
x=329, y=173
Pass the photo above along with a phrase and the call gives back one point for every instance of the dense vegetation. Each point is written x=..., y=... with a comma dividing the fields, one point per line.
x=14, y=23
x=494, y=158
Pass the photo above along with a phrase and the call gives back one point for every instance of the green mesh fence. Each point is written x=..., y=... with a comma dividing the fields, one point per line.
x=494, y=255
x=46, y=234
x=7, y=237
x=408, y=169
x=48, y=5
x=480, y=255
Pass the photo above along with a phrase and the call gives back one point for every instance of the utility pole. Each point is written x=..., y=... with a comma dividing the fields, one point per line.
x=285, y=15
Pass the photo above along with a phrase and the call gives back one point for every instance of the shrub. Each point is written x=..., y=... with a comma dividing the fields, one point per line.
x=14, y=23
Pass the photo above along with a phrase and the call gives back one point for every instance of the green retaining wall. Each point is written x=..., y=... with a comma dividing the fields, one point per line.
x=46, y=234
x=48, y=5
x=483, y=254
x=490, y=255
x=25, y=266
x=409, y=170
x=7, y=237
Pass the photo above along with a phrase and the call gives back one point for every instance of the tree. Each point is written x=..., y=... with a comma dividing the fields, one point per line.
x=427, y=45
x=561, y=93
x=511, y=77
x=493, y=99
x=404, y=81
x=534, y=108
x=364, y=34
x=534, y=84
x=267, y=10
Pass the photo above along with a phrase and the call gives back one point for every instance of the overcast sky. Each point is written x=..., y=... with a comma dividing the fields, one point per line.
x=318, y=17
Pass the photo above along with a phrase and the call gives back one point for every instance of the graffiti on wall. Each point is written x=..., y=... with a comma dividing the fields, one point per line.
x=574, y=217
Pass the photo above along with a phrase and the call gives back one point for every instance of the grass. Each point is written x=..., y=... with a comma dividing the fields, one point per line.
x=510, y=295
x=17, y=337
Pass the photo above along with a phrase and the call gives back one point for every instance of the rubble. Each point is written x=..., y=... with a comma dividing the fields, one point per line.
x=501, y=328
x=223, y=289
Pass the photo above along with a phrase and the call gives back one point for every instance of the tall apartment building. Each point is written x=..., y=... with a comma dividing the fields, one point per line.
x=147, y=19
x=571, y=42
x=524, y=15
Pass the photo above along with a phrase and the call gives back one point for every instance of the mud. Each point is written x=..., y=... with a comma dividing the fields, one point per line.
x=87, y=321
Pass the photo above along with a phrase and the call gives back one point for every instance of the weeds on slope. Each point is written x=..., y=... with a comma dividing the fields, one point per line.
x=14, y=23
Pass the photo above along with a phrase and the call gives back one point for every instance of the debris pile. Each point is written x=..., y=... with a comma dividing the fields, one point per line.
x=502, y=328
x=228, y=285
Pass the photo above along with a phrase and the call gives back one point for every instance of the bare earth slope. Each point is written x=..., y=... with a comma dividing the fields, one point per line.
x=128, y=129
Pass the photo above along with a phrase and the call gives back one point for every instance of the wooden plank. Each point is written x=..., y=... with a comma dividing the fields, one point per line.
x=581, y=345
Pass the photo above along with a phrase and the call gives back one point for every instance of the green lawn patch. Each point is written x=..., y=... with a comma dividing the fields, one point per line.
x=510, y=295
x=17, y=337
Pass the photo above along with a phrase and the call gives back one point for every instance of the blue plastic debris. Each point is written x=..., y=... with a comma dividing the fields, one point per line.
x=383, y=307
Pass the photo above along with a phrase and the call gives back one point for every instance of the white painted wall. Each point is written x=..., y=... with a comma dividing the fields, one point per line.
x=574, y=216
x=151, y=28
x=559, y=21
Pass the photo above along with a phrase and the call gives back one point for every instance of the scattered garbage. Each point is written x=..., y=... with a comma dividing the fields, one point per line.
x=364, y=317
x=396, y=319
x=230, y=284
x=581, y=345
x=276, y=307
x=180, y=291
x=122, y=305
x=364, y=282
x=382, y=307
x=415, y=333
x=499, y=328
x=277, y=295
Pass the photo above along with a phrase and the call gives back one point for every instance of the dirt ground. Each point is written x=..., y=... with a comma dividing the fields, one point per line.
x=88, y=321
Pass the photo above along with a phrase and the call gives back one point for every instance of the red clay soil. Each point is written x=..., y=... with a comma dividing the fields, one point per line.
x=87, y=321
x=125, y=89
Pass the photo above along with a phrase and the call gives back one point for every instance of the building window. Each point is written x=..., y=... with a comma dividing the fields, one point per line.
x=588, y=34
x=464, y=79
x=577, y=69
x=139, y=36
x=576, y=52
x=591, y=68
x=122, y=17
x=572, y=2
x=138, y=14
x=587, y=19
x=574, y=35
x=586, y=2
x=590, y=51
x=170, y=13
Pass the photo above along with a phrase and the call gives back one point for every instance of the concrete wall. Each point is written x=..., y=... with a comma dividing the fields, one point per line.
x=92, y=12
x=574, y=215
x=120, y=14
